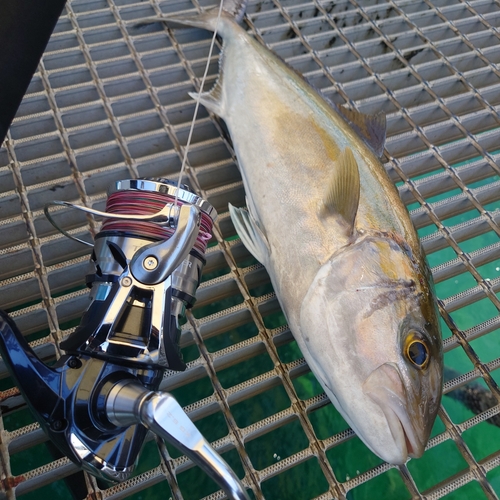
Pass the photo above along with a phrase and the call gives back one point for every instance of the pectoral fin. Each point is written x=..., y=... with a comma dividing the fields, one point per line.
x=342, y=196
x=250, y=233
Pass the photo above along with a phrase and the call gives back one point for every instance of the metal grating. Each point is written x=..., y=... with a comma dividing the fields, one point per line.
x=110, y=101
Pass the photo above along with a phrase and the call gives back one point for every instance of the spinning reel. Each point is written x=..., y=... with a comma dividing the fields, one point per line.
x=100, y=398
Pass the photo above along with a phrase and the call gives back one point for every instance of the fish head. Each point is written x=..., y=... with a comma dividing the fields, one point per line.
x=370, y=333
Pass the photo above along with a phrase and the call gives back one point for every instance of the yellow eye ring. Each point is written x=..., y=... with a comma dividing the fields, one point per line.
x=418, y=353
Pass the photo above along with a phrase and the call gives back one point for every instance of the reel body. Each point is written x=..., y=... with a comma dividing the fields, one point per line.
x=65, y=400
x=140, y=284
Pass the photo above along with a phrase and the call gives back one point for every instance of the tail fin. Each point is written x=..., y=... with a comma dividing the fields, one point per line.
x=234, y=9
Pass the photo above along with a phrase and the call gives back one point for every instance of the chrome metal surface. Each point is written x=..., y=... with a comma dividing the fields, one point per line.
x=109, y=338
x=95, y=465
x=165, y=186
x=103, y=256
x=110, y=102
x=170, y=253
x=128, y=402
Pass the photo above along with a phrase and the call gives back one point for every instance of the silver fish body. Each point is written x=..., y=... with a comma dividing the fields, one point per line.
x=338, y=244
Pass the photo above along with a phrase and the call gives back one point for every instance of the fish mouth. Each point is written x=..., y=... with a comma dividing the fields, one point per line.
x=385, y=387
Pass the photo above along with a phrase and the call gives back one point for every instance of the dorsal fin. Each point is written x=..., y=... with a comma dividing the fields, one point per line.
x=371, y=128
x=342, y=196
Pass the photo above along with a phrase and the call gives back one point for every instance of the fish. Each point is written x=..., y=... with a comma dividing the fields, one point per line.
x=340, y=249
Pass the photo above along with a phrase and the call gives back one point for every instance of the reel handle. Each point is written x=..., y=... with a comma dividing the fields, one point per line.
x=128, y=402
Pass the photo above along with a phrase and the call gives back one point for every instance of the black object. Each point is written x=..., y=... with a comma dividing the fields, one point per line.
x=25, y=29
x=67, y=404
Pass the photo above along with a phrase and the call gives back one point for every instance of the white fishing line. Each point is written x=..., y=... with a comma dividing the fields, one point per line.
x=198, y=98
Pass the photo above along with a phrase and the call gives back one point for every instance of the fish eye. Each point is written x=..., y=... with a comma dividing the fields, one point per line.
x=418, y=353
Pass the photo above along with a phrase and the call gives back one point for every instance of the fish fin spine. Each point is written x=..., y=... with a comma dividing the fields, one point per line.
x=342, y=196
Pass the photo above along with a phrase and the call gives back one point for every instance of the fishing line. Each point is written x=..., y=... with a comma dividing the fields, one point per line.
x=145, y=202
x=198, y=99
x=148, y=203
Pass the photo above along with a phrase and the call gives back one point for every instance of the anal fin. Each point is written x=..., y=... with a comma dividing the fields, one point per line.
x=212, y=100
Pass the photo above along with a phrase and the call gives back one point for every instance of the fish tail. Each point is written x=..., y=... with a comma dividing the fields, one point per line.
x=233, y=9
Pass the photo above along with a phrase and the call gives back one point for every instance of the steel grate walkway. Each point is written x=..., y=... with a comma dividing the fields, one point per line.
x=109, y=101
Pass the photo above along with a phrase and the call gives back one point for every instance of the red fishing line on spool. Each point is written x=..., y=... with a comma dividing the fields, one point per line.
x=133, y=202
